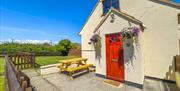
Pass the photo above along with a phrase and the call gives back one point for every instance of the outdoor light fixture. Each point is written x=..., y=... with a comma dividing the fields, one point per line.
x=112, y=18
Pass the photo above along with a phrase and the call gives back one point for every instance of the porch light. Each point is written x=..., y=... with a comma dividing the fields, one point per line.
x=112, y=18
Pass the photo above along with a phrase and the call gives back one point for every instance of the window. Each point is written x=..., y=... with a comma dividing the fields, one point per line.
x=107, y=4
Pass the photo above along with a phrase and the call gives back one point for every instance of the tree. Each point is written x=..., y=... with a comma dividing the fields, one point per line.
x=46, y=43
x=64, y=46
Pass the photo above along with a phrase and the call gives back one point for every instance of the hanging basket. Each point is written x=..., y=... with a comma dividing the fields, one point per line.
x=96, y=40
x=130, y=32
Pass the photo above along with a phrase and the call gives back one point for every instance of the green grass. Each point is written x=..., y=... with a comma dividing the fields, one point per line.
x=45, y=60
x=2, y=63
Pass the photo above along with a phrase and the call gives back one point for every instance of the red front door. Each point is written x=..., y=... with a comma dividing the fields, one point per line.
x=114, y=57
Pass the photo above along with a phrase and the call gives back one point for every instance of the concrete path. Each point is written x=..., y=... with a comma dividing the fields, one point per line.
x=90, y=82
x=39, y=82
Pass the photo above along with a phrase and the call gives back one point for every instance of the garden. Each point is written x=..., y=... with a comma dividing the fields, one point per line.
x=45, y=53
x=40, y=60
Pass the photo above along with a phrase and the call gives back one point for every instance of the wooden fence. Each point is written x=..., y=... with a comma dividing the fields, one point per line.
x=23, y=60
x=177, y=63
x=15, y=79
x=74, y=52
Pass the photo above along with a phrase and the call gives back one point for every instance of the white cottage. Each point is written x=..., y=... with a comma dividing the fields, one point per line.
x=128, y=40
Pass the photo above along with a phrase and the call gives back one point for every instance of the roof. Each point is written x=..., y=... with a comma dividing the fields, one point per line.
x=90, y=15
x=121, y=14
x=168, y=3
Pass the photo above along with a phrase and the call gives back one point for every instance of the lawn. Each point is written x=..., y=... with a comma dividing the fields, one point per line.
x=45, y=60
x=2, y=62
x=40, y=60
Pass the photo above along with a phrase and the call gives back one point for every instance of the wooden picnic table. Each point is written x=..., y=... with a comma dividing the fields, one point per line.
x=80, y=64
x=66, y=63
x=73, y=60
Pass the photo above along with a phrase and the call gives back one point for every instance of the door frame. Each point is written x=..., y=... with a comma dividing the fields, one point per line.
x=107, y=60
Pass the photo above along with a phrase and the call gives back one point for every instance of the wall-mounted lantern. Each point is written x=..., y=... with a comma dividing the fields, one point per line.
x=112, y=18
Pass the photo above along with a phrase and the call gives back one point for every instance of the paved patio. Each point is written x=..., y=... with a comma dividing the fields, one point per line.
x=89, y=82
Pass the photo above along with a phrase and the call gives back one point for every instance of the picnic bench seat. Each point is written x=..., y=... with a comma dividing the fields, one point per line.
x=80, y=65
x=71, y=71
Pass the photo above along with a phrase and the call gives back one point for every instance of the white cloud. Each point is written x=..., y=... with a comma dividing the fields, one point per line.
x=29, y=41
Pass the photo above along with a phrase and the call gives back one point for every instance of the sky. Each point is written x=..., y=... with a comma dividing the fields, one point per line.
x=43, y=20
x=177, y=1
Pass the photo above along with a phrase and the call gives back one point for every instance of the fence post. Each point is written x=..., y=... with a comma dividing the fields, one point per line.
x=22, y=60
x=33, y=60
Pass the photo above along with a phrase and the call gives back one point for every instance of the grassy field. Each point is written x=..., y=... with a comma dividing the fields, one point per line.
x=45, y=60
x=2, y=62
x=40, y=61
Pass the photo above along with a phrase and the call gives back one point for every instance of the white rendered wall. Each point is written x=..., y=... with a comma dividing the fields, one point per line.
x=160, y=36
x=87, y=32
x=90, y=55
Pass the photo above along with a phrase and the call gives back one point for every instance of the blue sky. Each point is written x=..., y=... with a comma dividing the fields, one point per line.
x=43, y=20
x=178, y=1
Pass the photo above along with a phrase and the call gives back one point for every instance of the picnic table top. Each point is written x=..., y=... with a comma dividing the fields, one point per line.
x=72, y=60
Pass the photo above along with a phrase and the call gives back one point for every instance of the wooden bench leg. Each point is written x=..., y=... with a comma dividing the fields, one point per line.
x=71, y=78
x=71, y=75
x=61, y=71
x=88, y=70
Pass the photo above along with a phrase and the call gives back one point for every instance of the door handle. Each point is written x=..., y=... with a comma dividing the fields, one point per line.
x=114, y=60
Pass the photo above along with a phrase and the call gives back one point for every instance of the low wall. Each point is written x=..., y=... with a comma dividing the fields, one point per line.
x=49, y=69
